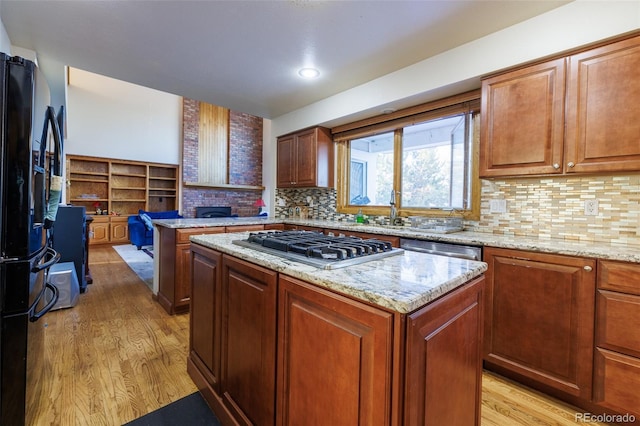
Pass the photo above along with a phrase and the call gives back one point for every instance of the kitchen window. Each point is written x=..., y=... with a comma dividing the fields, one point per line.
x=429, y=158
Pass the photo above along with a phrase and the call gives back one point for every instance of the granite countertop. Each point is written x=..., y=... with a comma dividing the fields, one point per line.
x=400, y=283
x=219, y=221
x=611, y=251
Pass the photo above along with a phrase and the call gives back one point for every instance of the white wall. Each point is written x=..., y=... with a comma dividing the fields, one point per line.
x=115, y=119
x=455, y=71
x=5, y=43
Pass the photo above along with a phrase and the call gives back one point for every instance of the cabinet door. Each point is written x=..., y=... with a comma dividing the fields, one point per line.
x=119, y=231
x=305, y=159
x=539, y=321
x=182, y=287
x=249, y=341
x=617, y=381
x=444, y=360
x=244, y=228
x=603, y=109
x=99, y=232
x=205, y=320
x=346, y=383
x=522, y=121
x=287, y=166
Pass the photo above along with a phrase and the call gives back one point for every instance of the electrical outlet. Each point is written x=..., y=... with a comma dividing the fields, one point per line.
x=497, y=206
x=591, y=207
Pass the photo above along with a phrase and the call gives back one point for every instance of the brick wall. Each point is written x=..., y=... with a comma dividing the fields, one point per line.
x=245, y=163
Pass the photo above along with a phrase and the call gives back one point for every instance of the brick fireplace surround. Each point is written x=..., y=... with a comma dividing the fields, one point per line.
x=245, y=163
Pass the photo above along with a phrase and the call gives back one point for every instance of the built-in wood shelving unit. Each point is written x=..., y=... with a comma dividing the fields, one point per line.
x=121, y=187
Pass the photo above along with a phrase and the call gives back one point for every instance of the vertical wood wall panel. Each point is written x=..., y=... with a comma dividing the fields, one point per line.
x=213, y=144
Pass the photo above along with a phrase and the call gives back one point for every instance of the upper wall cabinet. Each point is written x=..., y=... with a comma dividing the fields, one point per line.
x=576, y=114
x=522, y=121
x=603, y=105
x=305, y=159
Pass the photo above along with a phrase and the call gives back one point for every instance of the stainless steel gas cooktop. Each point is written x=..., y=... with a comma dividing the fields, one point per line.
x=319, y=250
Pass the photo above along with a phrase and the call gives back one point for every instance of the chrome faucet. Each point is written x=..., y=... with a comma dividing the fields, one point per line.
x=394, y=212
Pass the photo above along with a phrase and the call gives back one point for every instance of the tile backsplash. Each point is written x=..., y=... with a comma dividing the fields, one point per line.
x=554, y=208
x=544, y=207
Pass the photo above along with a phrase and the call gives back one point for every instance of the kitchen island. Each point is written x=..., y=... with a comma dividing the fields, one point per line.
x=395, y=341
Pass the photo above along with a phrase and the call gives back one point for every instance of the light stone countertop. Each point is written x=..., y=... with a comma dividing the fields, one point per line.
x=400, y=283
x=621, y=252
x=219, y=221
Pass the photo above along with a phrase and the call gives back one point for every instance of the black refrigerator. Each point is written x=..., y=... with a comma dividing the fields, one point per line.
x=26, y=169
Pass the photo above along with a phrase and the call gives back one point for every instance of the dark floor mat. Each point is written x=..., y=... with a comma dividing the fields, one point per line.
x=191, y=410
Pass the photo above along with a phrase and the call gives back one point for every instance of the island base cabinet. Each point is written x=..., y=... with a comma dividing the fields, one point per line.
x=443, y=380
x=248, y=342
x=334, y=358
x=204, y=333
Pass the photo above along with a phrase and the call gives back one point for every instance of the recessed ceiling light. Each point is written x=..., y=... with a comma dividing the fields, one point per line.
x=308, y=73
x=388, y=110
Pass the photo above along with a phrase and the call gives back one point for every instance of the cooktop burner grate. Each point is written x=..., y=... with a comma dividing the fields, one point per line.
x=319, y=250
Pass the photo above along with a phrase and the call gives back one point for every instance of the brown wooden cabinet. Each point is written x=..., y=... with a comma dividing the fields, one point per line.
x=174, y=269
x=292, y=353
x=438, y=383
x=99, y=230
x=305, y=159
x=121, y=186
x=118, y=229
x=539, y=318
x=248, y=346
x=351, y=386
x=522, y=121
x=206, y=305
x=603, y=108
x=526, y=131
x=617, y=355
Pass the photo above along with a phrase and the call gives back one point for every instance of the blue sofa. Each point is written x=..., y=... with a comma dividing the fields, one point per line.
x=141, y=229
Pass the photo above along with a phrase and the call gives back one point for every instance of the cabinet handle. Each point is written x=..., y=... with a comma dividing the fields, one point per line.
x=556, y=166
x=588, y=268
x=570, y=164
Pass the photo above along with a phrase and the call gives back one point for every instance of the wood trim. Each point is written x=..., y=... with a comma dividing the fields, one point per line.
x=224, y=186
x=473, y=95
x=213, y=144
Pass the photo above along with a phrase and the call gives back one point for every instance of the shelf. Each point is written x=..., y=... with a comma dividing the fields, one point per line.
x=129, y=174
x=121, y=186
x=90, y=180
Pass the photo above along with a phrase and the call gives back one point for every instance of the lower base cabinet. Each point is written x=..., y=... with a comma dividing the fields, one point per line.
x=248, y=341
x=617, y=357
x=334, y=356
x=269, y=349
x=539, y=321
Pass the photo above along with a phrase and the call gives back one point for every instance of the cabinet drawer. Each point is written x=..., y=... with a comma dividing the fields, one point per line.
x=182, y=235
x=619, y=276
x=245, y=228
x=617, y=381
x=618, y=322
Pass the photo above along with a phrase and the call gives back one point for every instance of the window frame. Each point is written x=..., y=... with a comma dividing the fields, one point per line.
x=465, y=103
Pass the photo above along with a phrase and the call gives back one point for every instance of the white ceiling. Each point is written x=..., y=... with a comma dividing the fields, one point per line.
x=244, y=55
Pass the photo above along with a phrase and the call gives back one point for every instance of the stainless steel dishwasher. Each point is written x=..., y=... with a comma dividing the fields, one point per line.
x=442, y=249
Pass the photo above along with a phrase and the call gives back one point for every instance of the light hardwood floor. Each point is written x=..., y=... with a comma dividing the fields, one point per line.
x=118, y=355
